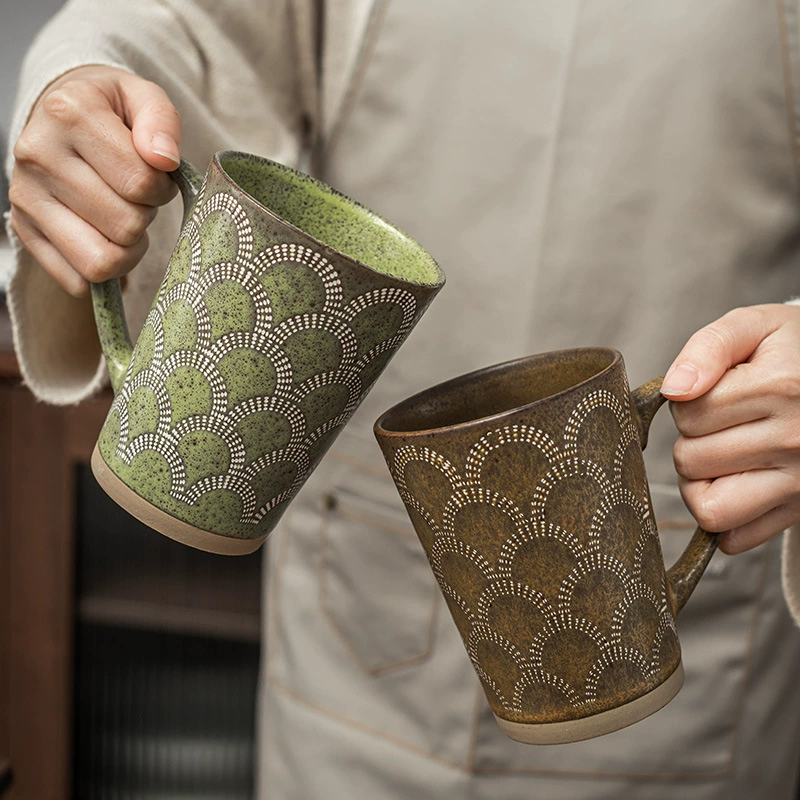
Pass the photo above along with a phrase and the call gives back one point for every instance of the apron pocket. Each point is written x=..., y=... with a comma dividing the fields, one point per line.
x=376, y=587
x=358, y=630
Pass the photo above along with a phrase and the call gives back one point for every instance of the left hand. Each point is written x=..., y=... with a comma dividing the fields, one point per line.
x=736, y=392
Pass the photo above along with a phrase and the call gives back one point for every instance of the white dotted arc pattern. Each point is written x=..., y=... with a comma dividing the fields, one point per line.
x=264, y=337
x=498, y=574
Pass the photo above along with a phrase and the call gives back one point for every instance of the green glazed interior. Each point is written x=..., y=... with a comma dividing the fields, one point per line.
x=332, y=219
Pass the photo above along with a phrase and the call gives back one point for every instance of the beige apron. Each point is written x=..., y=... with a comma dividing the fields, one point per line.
x=615, y=173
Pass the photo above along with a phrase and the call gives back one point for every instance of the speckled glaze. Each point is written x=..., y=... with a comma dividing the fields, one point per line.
x=282, y=303
x=526, y=485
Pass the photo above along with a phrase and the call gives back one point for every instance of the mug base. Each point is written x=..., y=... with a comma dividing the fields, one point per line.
x=576, y=730
x=165, y=523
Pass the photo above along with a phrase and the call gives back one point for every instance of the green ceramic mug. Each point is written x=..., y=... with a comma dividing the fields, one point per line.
x=526, y=485
x=282, y=303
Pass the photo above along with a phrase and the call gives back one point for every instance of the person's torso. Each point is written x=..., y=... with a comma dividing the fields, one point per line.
x=613, y=173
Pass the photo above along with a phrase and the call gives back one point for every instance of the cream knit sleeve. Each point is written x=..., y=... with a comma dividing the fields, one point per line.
x=790, y=571
x=240, y=72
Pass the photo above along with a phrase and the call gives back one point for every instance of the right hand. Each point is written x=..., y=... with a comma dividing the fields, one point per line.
x=90, y=172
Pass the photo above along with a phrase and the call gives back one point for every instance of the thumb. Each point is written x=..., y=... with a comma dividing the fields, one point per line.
x=712, y=351
x=154, y=122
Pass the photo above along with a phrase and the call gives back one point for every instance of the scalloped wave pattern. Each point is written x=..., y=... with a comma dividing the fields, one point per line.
x=557, y=609
x=255, y=358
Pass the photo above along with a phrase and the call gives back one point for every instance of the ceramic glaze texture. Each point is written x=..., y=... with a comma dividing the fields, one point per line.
x=539, y=530
x=259, y=346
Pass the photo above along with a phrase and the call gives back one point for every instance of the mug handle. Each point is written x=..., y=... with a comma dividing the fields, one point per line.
x=109, y=314
x=684, y=574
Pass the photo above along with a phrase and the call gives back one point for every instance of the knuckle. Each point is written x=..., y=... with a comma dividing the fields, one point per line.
x=788, y=440
x=102, y=262
x=27, y=147
x=128, y=228
x=787, y=387
x=77, y=289
x=709, y=515
x=17, y=196
x=684, y=418
x=788, y=492
x=704, y=505
x=139, y=185
x=22, y=230
x=688, y=459
x=681, y=458
x=62, y=104
x=164, y=109
x=738, y=319
x=715, y=338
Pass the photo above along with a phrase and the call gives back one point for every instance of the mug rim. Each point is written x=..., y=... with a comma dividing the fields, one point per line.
x=329, y=190
x=382, y=432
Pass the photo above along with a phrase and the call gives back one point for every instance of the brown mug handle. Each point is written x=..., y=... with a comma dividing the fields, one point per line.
x=684, y=574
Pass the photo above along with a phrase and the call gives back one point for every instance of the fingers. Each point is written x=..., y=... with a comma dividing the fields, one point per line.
x=759, y=530
x=106, y=141
x=747, y=371
x=75, y=241
x=49, y=256
x=86, y=117
x=713, y=350
x=767, y=386
x=121, y=221
x=154, y=122
x=756, y=445
x=734, y=501
x=736, y=387
x=90, y=235
x=82, y=195
x=716, y=508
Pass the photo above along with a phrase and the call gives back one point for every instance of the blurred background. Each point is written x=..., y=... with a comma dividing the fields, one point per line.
x=21, y=19
x=128, y=662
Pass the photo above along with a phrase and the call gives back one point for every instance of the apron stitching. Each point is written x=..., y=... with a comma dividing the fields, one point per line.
x=274, y=578
x=664, y=777
x=472, y=752
x=787, y=49
x=362, y=726
x=751, y=636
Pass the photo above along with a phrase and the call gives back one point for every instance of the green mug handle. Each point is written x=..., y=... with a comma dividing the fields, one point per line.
x=684, y=574
x=109, y=314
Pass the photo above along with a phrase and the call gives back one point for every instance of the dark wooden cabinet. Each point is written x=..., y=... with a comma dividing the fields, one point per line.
x=40, y=448
x=78, y=574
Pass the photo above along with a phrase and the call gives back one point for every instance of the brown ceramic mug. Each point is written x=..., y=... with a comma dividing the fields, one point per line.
x=526, y=485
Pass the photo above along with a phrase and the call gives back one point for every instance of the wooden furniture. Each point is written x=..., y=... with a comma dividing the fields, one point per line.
x=39, y=447
x=180, y=590
x=6, y=775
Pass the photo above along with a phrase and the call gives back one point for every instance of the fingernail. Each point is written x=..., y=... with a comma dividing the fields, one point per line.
x=680, y=380
x=164, y=145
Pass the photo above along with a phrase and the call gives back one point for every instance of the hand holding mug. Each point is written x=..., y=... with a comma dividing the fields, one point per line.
x=282, y=303
x=90, y=172
x=526, y=485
